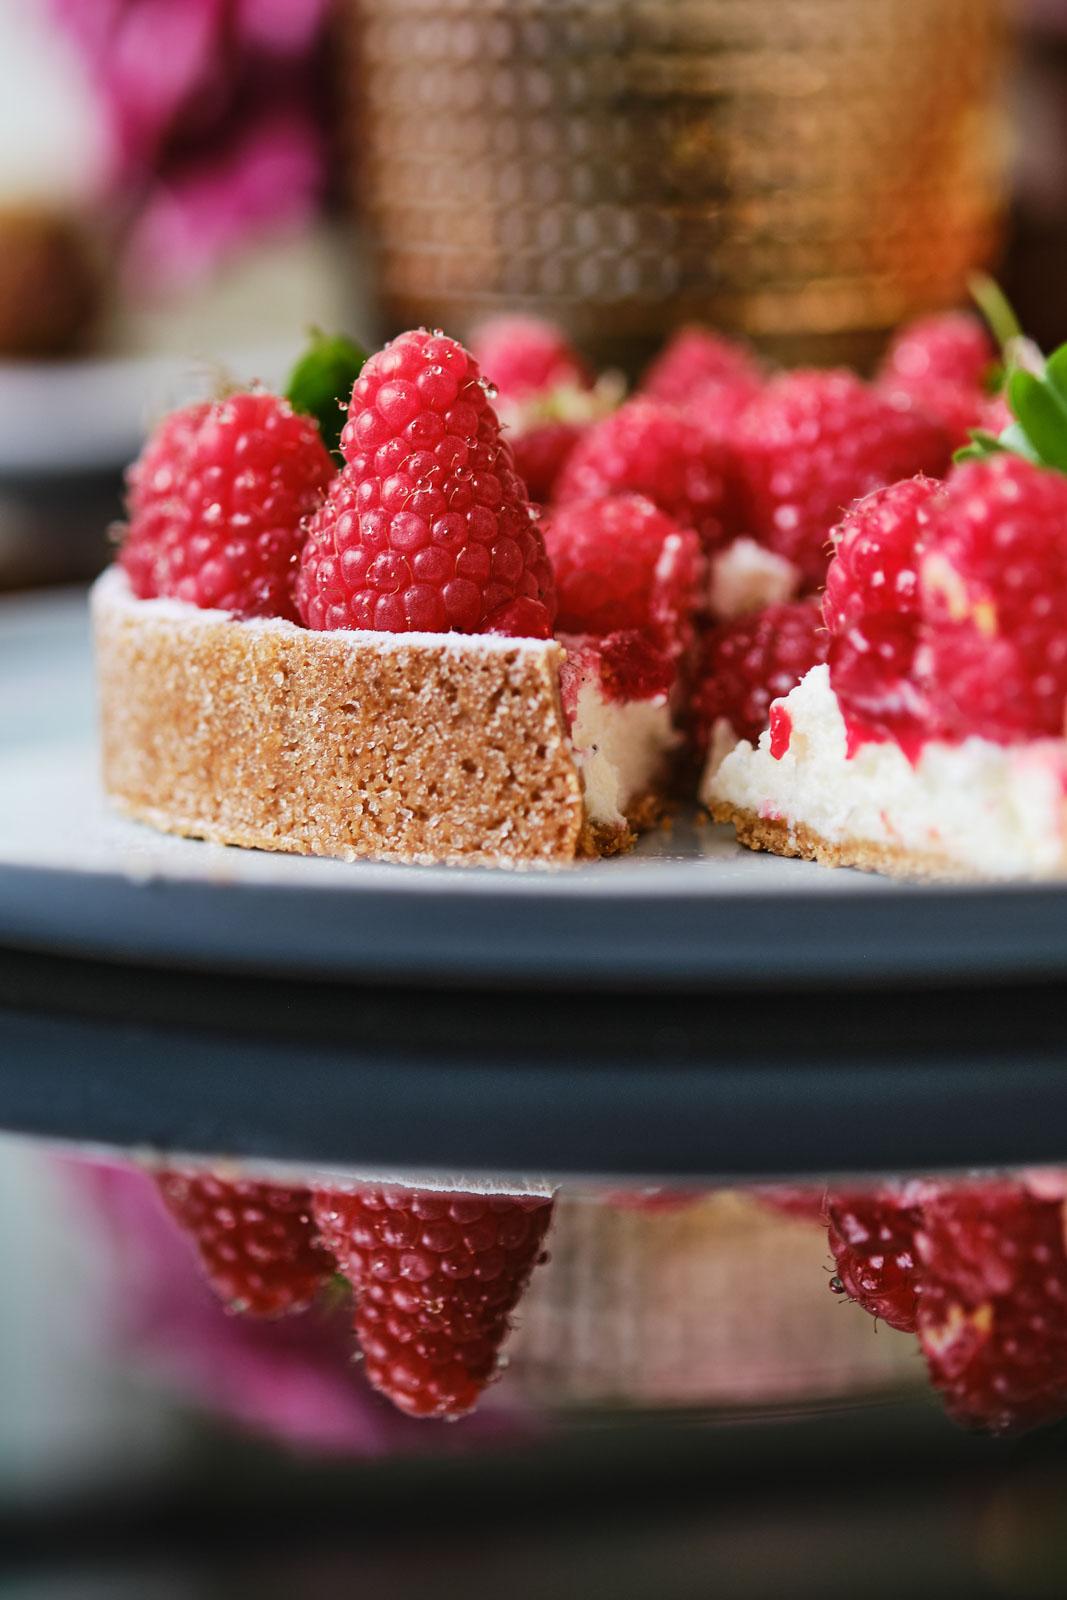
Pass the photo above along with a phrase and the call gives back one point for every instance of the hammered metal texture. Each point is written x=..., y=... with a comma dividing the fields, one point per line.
x=807, y=171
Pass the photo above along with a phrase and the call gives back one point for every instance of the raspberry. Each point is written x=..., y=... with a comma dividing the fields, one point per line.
x=956, y=408
x=877, y=545
x=524, y=355
x=541, y=452
x=428, y=526
x=993, y=582
x=436, y=1278
x=621, y=563
x=803, y=1202
x=872, y=1240
x=647, y=448
x=747, y=663
x=993, y=1313
x=216, y=501
x=696, y=359
x=810, y=444
x=630, y=664
x=716, y=405
x=256, y=1242
x=948, y=347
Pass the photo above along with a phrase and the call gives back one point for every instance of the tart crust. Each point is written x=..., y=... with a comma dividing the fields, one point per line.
x=783, y=838
x=413, y=748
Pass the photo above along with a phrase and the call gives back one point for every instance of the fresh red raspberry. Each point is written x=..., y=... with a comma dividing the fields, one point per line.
x=648, y=448
x=956, y=408
x=994, y=592
x=629, y=664
x=695, y=358
x=752, y=660
x=877, y=546
x=428, y=526
x=257, y=1243
x=716, y=406
x=872, y=1239
x=621, y=563
x=947, y=347
x=993, y=1312
x=541, y=452
x=436, y=1277
x=536, y=371
x=810, y=444
x=216, y=501
x=525, y=355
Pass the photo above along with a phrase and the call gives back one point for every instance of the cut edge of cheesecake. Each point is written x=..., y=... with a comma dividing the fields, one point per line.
x=970, y=811
x=417, y=748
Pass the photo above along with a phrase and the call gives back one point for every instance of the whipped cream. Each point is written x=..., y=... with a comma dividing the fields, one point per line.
x=746, y=576
x=989, y=809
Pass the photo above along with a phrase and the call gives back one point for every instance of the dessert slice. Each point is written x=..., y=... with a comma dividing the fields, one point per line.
x=377, y=679
x=930, y=743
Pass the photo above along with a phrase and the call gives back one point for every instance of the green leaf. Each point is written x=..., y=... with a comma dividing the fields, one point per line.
x=321, y=382
x=1056, y=372
x=1042, y=414
x=996, y=308
x=980, y=446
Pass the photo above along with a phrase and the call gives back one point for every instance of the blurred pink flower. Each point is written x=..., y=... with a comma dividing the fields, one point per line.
x=293, y=1379
x=216, y=116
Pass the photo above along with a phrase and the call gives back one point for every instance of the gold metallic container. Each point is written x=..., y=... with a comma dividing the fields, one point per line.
x=805, y=171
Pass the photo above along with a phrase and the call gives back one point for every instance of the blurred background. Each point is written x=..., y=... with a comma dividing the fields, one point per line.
x=186, y=186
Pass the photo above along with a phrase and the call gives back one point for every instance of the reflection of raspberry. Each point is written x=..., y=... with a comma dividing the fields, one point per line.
x=621, y=563
x=436, y=1278
x=216, y=501
x=694, y=359
x=994, y=588
x=872, y=1239
x=991, y=1316
x=647, y=448
x=948, y=347
x=810, y=444
x=428, y=527
x=257, y=1242
x=747, y=663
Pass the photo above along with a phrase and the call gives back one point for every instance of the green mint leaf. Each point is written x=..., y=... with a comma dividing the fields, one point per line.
x=321, y=383
x=1014, y=439
x=1041, y=412
x=996, y=308
x=980, y=446
x=1056, y=372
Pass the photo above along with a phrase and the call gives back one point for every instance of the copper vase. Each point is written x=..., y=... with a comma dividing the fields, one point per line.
x=807, y=172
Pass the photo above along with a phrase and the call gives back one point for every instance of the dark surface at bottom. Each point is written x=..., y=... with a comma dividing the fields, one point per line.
x=680, y=1085
x=875, y=1503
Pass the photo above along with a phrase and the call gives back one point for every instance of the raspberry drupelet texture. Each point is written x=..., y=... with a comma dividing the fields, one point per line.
x=648, y=448
x=947, y=347
x=257, y=1243
x=216, y=502
x=694, y=359
x=877, y=546
x=872, y=1239
x=993, y=586
x=992, y=1317
x=747, y=663
x=813, y=442
x=428, y=526
x=436, y=1277
x=622, y=563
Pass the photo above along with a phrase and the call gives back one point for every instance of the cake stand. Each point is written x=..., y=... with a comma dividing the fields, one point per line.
x=692, y=1011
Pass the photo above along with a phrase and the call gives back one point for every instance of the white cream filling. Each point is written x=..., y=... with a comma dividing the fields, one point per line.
x=997, y=810
x=620, y=749
x=746, y=576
